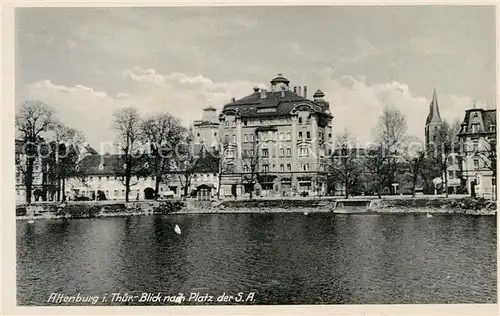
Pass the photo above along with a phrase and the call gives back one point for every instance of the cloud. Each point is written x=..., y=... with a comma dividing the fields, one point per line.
x=354, y=103
x=91, y=111
x=431, y=46
x=357, y=105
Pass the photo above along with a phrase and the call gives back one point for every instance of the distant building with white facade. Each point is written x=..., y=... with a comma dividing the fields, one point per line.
x=478, y=137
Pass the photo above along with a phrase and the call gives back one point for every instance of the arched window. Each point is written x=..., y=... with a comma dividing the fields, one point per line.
x=101, y=166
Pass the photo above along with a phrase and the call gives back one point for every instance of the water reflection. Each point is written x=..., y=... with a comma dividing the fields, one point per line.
x=284, y=258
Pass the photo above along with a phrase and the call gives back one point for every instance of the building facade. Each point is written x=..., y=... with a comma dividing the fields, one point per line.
x=205, y=130
x=478, y=141
x=280, y=137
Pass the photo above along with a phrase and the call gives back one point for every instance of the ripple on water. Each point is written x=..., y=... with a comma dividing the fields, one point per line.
x=284, y=258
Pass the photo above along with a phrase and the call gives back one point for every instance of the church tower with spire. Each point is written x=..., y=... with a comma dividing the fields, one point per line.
x=433, y=123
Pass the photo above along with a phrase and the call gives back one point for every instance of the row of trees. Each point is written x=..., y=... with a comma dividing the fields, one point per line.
x=393, y=155
x=156, y=145
x=42, y=137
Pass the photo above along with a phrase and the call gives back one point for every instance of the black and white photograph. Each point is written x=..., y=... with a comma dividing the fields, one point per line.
x=251, y=155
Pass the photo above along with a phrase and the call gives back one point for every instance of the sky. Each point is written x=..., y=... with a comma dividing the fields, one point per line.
x=86, y=63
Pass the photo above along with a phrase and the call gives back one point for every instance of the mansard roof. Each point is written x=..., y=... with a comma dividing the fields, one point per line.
x=282, y=101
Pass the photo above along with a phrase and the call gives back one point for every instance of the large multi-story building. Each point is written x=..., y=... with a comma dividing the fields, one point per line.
x=478, y=137
x=281, y=137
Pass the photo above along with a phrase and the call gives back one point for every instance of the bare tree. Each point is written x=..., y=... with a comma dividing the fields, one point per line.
x=390, y=136
x=414, y=156
x=344, y=161
x=64, y=155
x=164, y=133
x=250, y=162
x=32, y=119
x=446, y=147
x=127, y=123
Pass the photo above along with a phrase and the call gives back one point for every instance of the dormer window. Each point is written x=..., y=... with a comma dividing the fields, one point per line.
x=124, y=166
x=77, y=168
x=146, y=165
x=475, y=128
x=492, y=128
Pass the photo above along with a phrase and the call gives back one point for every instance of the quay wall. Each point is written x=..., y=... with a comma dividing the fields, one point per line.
x=437, y=205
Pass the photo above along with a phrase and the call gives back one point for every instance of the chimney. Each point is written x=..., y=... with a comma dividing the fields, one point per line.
x=295, y=89
x=233, y=99
x=305, y=92
x=263, y=93
x=255, y=89
x=298, y=90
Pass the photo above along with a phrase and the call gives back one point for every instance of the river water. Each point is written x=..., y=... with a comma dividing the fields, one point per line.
x=281, y=258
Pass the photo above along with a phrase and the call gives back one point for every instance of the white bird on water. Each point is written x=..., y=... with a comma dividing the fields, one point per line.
x=177, y=229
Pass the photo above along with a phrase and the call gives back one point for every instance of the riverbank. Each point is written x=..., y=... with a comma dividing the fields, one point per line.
x=409, y=205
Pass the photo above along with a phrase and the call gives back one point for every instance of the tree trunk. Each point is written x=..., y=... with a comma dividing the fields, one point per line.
x=63, y=189
x=347, y=189
x=157, y=186
x=127, y=187
x=414, y=185
x=28, y=180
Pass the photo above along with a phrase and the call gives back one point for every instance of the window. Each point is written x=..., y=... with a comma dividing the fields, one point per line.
x=230, y=153
x=99, y=178
x=245, y=138
x=304, y=151
x=450, y=174
x=288, y=167
x=266, y=168
x=305, y=167
x=475, y=145
x=476, y=164
x=246, y=169
x=273, y=167
x=91, y=178
x=265, y=152
x=107, y=193
x=282, y=137
x=288, y=136
x=475, y=128
x=282, y=152
x=308, y=135
x=123, y=192
x=250, y=153
x=300, y=135
x=245, y=153
x=234, y=138
x=329, y=136
x=124, y=166
x=492, y=128
x=226, y=138
x=107, y=178
x=101, y=166
x=250, y=137
x=282, y=167
x=288, y=151
x=215, y=134
x=300, y=120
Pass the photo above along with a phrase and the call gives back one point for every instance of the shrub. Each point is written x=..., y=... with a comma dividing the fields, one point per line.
x=81, y=211
x=21, y=211
x=167, y=207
